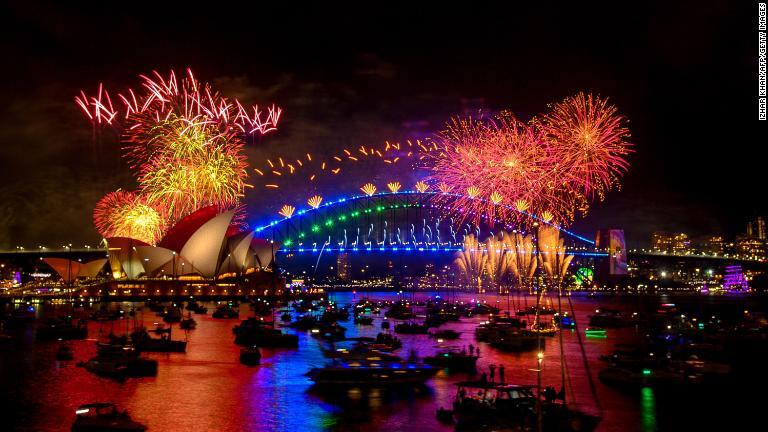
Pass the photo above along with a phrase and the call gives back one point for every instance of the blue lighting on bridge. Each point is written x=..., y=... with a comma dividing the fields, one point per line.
x=329, y=204
x=446, y=249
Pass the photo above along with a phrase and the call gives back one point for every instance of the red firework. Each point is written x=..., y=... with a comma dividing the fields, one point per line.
x=589, y=139
x=501, y=166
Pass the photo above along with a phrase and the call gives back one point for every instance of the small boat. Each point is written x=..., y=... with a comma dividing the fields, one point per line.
x=363, y=320
x=172, y=315
x=631, y=378
x=254, y=331
x=453, y=360
x=62, y=329
x=104, y=417
x=444, y=416
x=371, y=373
x=333, y=332
x=387, y=342
x=250, y=356
x=188, y=323
x=144, y=342
x=120, y=361
x=65, y=353
x=226, y=311
x=447, y=334
x=492, y=406
x=598, y=332
x=411, y=328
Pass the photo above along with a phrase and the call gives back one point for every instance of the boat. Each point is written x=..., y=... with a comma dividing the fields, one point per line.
x=250, y=356
x=104, y=417
x=387, y=342
x=305, y=322
x=485, y=405
x=119, y=361
x=188, y=323
x=172, y=315
x=65, y=353
x=371, y=373
x=363, y=320
x=144, y=342
x=253, y=331
x=595, y=332
x=447, y=334
x=411, y=328
x=453, y=360
x=226, y=311
x=517, y=341
x=62, y=329
x=634, y=378
x=197, y=308
x=333, y=332
x=610, y=318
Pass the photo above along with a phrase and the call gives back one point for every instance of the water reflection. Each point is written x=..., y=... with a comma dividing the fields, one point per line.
x=207, y=388
x=648, y=410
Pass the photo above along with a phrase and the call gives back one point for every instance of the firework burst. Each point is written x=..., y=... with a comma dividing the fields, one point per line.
x=126, y=214
x=589, y=140
x=185, y=142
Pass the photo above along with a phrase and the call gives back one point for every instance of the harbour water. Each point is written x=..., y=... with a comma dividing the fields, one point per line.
x=207, y=389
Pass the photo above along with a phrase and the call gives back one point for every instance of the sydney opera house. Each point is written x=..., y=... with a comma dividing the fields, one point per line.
x=203, y=254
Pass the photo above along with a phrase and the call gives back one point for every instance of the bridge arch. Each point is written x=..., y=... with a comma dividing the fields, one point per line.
x=403, y=220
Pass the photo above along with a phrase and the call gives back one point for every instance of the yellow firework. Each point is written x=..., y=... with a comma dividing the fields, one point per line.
x=473, y=191
x=421, y=187
x=546, y=216
x=287, y=210
x=394, y=186
x=315, y=201
x=521, y=205
x=368, y=189
x=444, y=188
x=496, y=197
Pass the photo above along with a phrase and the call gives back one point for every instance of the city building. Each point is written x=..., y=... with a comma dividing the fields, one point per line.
x=756, y=228
x=343, y=267
x=671, y=243
x=749, y=247
x=713, y=245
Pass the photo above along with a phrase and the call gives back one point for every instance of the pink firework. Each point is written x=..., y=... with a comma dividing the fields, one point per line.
x=501, y=167
x=162, y=96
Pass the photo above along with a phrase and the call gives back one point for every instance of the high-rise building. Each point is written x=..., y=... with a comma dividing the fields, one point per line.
x=713, y=245
x=674, y=243
x=756, y=228
x=750, y=248
x=681, y=244
x=343, y=267
x=661, y=241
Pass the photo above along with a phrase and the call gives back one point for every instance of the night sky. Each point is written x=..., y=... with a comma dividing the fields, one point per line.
x=684, y=74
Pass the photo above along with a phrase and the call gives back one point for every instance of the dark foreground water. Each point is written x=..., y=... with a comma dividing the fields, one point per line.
x=207, y=389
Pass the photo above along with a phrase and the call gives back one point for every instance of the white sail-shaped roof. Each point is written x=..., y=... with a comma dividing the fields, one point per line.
x=159, y=261
x=91, y=268
x=239, y=252
x=203, y=249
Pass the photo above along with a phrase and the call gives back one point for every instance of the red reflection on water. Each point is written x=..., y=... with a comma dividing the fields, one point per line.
x=208, y=389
